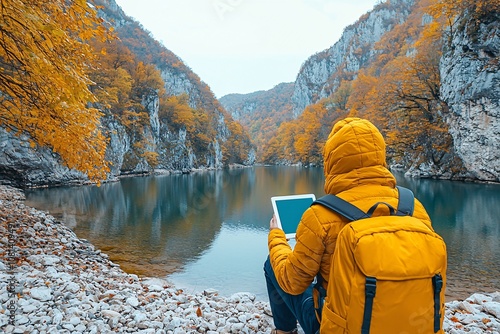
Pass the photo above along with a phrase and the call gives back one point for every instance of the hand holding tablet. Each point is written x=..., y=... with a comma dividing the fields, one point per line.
x=289, y=209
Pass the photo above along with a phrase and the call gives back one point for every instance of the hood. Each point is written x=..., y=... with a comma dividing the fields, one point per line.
x=354, y=155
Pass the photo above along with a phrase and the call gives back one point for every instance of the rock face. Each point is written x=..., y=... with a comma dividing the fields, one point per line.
x=470, y=84
x=321, y=74
x=21, y=164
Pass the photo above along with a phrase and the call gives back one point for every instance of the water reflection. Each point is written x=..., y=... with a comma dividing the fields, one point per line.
x=209, y=229
x=150, y=225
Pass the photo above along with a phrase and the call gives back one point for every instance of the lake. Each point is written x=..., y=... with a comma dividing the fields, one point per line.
x=209, y=229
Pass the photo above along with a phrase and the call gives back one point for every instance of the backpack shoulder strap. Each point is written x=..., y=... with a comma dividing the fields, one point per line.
x=406, y=202
x=405, y=205
x=342, y=207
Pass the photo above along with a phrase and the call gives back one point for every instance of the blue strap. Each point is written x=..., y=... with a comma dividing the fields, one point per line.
x=351, y=212
x=406, y=202
x=370, y=212
x=321, y=294
x=370, y=287
x=437, y=284
x=341, y=207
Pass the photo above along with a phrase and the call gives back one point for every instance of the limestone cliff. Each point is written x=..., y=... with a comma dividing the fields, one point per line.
x=470, y=85
x=320, y=75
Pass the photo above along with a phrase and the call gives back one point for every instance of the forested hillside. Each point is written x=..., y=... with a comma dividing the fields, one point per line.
x=262, y=112
x=88, y=94
x=390, y=72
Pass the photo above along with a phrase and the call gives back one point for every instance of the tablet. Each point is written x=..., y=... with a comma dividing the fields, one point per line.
x=289, y=209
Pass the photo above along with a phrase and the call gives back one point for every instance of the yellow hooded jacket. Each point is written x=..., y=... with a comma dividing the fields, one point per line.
x=355, y=170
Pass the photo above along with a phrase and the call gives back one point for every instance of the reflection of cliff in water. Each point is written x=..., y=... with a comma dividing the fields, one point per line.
x=256, y=211
x=149, y=225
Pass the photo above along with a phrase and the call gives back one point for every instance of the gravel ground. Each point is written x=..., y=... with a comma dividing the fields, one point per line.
x=53, y=282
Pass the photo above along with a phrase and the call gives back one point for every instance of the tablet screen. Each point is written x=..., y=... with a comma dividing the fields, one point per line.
x=289, y=210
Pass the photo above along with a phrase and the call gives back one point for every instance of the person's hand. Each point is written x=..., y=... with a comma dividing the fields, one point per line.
x=273, y=223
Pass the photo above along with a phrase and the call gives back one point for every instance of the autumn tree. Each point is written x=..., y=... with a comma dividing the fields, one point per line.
x=176, y=112
x=302, y=139
x=146, y=92
x=281, y=146
x=341, y=96
x=178, y=115
x=112, y=80
x=306, y=143
x=203, y=134
x=147, y=82
x=235, y=143
x=366, y=99
x=44, y=84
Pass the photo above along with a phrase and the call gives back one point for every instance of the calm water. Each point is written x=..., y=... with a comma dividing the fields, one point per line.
x=209, y=229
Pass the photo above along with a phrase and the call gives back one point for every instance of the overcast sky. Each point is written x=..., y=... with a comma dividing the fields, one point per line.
x=242, y=46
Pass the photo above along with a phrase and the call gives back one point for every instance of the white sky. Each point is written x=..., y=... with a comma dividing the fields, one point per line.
x=242, y=46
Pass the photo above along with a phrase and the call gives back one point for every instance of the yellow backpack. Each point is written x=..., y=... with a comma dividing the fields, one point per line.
x=388, y=273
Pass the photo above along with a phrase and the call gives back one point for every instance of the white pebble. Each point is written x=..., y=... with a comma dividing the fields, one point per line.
x=21, y=320
x=132, y=301
x=468, y=307
x=492, y=308
x=42, y=293
x=111, y=314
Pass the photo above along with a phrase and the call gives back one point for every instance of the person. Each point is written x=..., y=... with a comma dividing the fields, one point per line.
x=355, y=170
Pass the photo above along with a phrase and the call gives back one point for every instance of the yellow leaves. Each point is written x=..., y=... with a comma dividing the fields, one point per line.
x=132, y=119
x=86, y=35
x=44, y=79
x=448, y=10
x=151, y=158
x=433, y=31
x=179, y=112
x=301, y=139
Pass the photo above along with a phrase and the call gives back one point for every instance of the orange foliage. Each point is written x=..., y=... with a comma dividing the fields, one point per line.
x=147, y=82
x=112, y=81
x=44, y=65
x=302, y=139
x=178, y=112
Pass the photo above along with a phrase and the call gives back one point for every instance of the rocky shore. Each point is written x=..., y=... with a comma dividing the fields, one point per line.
x=53, y=282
